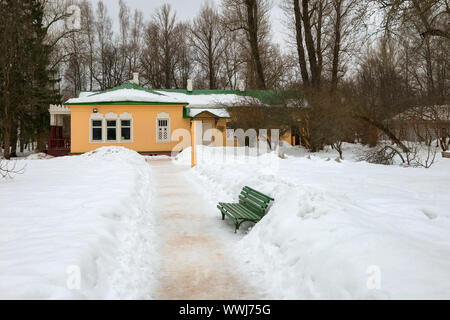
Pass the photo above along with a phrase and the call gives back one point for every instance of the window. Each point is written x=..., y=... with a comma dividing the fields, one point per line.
x=163, y=130
x=97, y=130
x=111, y=130
x=125, y=126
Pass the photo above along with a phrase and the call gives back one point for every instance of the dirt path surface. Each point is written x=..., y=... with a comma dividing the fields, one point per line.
x=195, y=264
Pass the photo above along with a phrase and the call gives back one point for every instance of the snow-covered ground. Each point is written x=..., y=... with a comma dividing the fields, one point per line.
x=344, y=230
x=86, y=215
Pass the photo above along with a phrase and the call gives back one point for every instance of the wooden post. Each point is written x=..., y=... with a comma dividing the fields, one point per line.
x=196, y=136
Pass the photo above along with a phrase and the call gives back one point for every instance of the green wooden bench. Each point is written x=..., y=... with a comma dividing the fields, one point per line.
x=252, y=207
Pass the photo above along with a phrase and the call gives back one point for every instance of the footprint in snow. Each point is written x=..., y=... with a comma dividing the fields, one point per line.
x=429, y=214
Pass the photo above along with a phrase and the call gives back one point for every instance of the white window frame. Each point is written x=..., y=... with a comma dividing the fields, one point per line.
x=163, y=116
x=127, y=117
x=110, y=117
x=96, y=117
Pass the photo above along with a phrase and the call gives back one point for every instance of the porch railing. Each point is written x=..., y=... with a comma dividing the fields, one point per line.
x=58, y=147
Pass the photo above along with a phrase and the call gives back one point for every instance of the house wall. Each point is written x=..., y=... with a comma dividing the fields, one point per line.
x=143, y=132
x=220, y=124
x=144, y=127
x=288, y=137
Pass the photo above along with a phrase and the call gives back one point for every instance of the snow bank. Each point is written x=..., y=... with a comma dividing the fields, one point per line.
x=38, y=156
x=85, y=215
x=348, y=230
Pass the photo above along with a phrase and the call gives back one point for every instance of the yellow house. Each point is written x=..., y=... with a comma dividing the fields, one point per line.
x=151, y=122
x=139, y=119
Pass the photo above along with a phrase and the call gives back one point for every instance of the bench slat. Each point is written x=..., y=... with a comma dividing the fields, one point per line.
x=238, y=212
x=262, y=195
x=249, y=212
x=254, y=199
x=251, y=205
x=249, y=192
x=246, y=212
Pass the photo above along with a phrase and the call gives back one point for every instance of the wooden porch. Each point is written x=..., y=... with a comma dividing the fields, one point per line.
x=59, y=142
x=58, y=147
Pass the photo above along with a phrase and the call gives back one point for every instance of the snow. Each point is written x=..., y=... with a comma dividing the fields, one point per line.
x=88, y=213
x=124, y=95
x=138, y=95
x=38, y=156
x=336, y=230
x=84, y=94
x=196, y=100
x=219, y=112
x=348, y=230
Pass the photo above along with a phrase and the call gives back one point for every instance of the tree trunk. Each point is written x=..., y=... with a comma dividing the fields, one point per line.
x=319, y=41
x=310, y=44
x=300, y=47
x=7, y=126
x=14, y=138
x=337, y=45
x=41, y=142
x=212, y=72
x=22, y=143
x=6, y=138
x=252, y=20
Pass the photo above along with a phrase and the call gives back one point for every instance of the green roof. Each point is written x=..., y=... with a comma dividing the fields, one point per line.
x=268, y=97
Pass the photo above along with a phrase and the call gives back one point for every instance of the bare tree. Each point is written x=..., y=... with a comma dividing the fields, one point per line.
x=234, y=61
x=165, y=21
x=103, y=28
x=8, y=169
x=88, y=25
x=151, y=66
x=432, y=16
x=252, y=18
x=136, y=42
x=381, y=91
x=324, y=33
x=208, y=42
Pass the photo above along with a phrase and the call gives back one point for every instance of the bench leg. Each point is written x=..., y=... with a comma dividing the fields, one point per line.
x=223, y=215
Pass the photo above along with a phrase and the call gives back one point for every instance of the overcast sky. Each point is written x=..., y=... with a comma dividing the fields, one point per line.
x=187, y=9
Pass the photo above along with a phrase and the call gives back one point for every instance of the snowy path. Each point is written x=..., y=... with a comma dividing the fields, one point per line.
x=195, y=262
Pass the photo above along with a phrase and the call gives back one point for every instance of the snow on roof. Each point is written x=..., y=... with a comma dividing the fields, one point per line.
x=208, y=99
x=84, y=94
x=218, y=112
x=130, y=92
x=125, y=93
